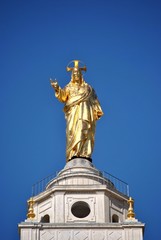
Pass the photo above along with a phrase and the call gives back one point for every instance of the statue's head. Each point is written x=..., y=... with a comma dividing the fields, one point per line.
x=76, y=75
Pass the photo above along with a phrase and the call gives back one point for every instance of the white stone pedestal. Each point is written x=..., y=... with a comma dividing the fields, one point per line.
x=80, y=204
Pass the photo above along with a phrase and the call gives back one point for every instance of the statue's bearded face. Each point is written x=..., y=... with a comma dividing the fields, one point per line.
x=76, y=76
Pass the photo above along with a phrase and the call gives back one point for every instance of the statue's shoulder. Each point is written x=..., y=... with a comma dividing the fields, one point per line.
x=89, y=87
x=68, y=86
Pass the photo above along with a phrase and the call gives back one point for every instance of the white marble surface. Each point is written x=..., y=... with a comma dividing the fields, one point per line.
x=80, y=181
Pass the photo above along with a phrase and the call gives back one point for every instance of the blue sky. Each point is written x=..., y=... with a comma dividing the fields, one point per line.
x=120, y=42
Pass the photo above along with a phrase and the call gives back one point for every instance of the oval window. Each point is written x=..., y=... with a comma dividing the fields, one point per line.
x=80, y=209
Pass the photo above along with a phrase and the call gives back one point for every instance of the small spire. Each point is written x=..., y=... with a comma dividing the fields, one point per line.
x=131, y=214
x=30, y=213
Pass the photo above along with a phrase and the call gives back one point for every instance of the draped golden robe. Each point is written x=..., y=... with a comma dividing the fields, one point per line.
x=82, y=110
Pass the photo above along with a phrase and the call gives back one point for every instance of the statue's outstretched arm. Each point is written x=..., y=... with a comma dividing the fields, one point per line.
x=60, y=93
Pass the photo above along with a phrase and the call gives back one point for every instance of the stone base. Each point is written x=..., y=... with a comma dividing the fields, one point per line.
x=80, y=204
x=79, y=164
x=89, y=159
x=113, y=231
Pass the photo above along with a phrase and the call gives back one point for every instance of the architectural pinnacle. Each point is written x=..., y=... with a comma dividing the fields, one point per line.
x=30, y=213
x=131, y=214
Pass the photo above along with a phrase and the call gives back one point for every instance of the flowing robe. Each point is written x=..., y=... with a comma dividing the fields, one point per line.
x=82, y=110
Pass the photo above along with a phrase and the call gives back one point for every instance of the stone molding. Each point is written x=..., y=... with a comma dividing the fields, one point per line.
x=39, y=231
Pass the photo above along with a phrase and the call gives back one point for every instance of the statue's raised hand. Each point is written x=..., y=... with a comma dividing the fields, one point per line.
x=54, y=84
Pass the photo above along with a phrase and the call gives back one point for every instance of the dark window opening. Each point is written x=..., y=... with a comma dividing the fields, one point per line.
x=115, y=218
x=45, y=219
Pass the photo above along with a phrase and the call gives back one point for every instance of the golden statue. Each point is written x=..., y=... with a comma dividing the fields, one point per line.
x=82, y=110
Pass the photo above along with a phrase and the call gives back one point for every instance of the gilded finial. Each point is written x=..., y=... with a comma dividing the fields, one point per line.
x=76, y=66
x=131, y=214
x=30, y=213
